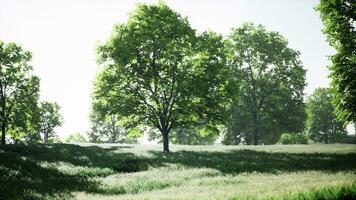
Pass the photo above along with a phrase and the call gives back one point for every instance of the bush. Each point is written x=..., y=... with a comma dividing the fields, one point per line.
x=293, y=138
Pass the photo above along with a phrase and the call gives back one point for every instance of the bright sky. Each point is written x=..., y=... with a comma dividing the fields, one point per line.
x=62, y=35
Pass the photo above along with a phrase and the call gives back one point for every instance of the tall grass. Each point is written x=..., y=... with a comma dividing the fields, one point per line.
x=66, y=171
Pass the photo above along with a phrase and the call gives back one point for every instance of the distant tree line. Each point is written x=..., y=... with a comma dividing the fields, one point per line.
x=160, y=76
x=23, y=118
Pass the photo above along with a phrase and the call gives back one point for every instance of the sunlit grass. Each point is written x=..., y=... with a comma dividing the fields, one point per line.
x=244, y=186
x=66, y=171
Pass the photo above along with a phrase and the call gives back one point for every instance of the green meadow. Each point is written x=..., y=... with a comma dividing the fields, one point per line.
x=88, y=171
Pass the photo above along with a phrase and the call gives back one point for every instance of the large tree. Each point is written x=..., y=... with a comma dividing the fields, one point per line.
x=22, y=116
x=339, y=17
x=16, y=81
x=157, y=72
x=323, y=126
x=271, y=79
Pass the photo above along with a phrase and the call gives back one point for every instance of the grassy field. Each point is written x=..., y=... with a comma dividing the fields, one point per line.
x=67, y=171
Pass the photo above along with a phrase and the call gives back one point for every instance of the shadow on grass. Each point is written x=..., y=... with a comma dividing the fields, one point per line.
x=23, y=175
x=239, y=161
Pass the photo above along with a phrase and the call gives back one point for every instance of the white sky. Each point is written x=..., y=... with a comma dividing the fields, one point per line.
x=62, y=36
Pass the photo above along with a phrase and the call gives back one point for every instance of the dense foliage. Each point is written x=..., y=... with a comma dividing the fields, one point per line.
x=339, y=17
x=49, y=119
x=158, y=72
x=109, y=129
x=270, y=81
x=323, y=126
x=22, y=116
x=189, y=135
x=194, y=136
x=293, y=138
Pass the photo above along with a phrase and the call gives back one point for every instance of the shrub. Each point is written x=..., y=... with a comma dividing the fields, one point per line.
x=293, y=138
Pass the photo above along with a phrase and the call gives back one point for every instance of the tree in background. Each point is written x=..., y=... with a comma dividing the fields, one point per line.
x=293, y=138
x=19, y=90
x=109, y=129
x=189, y=135
x=323, y=126
x=26, y=113
x=158, y=73
x=76, y=138
x=194, y=136
x=239, y=129
x=271, y=80
x=50, y=118
x=339, y=19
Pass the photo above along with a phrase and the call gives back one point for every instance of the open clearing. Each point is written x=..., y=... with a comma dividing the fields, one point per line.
x=90, y=171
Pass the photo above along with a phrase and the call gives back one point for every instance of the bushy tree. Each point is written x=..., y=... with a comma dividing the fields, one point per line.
x=50, y=118
x=22, y=117
x=340, y=19
x=158, y=72
x=293, y=138
x=270, y=81
x=323, y=125
x=19, y=91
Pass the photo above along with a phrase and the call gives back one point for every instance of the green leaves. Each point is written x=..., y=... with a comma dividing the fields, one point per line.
x=50, y=118
x=323, y=126
x=21, y=115
x=339, y=19
x=270, y=80
x=18, y=89
x=23, y=110
x=158, y=72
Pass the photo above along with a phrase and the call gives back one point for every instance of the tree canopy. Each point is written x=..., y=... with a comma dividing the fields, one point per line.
x=18, y=88
x=24, y=116
x=339, y=18
x=270, y=80
x=158, y=72
x=110, y=129
x=21, y=114
x=50, y=118
x=323, y=126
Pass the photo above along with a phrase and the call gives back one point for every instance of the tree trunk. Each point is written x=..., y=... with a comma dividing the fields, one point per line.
x=255, y=135
x=255, y=129
x=113, y=138
x=326, y=132
x=3, y=131
x=3, y=121
x=165, y=141
x=45, y=138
